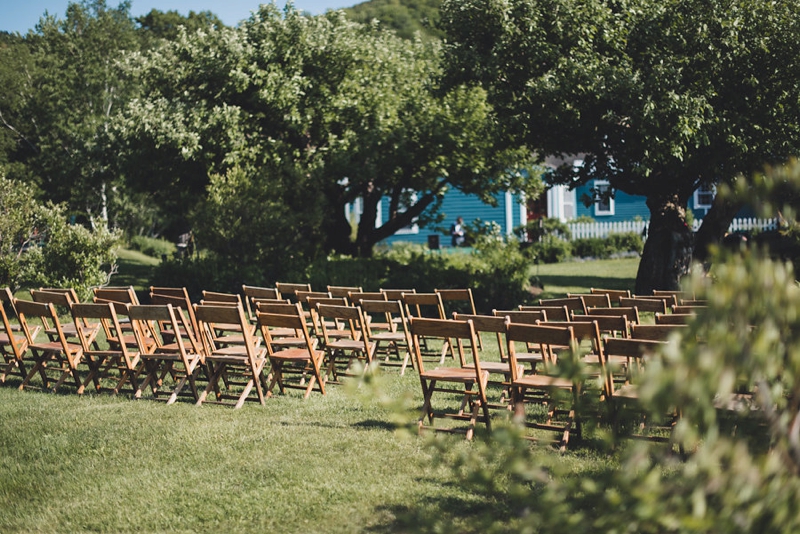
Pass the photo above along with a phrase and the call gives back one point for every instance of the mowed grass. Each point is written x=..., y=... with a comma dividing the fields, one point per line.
x=579, y=276
x=338, y=463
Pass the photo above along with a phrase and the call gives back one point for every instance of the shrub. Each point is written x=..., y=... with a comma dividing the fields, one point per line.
x=626, y=242
x=591, y=247
x=550, y=249
x=152, y=246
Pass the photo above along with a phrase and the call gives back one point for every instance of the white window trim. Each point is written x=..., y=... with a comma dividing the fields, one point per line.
x=696, y=199
x=610, y=211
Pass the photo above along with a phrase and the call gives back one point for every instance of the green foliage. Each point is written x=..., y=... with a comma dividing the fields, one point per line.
x=152, y=246
x=406, y=17
x=623, y=84
x=71, y=255
x=599, y=247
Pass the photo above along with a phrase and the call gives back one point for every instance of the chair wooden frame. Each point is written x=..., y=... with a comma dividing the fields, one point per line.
x=164, y=352
x=393, y=338
x=247, y=359
x=118, y=355
x=289, y=290
x=355, y=346
x=656, y=332
x=544, y=385
x=652, y=305
x=469, y=383
x=592, y=300
x=573, y=304
x=59, y=350
x=430, y=306
x=303, y=359
x=554, y=313
x=496, y=326
x=13, y=342
x=613, y=294
x=635, y=351
x=630, y=314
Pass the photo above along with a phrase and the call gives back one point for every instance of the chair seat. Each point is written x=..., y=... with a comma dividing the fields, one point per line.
x=348, y=344
x=543, y=381
x=454, y=374
x=55, y=346
x=493, y=367
x=628, y=391
x=295, y=354
x=388, y=336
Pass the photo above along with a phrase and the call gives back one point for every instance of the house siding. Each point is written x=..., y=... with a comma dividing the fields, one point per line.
x=470, y=207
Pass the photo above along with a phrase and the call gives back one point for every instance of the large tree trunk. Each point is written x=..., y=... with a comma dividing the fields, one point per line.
x=667, y=252
x=715, y=225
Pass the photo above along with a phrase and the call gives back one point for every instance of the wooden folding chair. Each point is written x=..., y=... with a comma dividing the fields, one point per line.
x=674, y=318
x=304, y=360
x=289, y=290
x=588, y=336
x=427, y=305
x=495, y=326
x=246, y=359
x=167, y=347
x=656, y=332
x=178, y=301
x=542, y=385
x=592, y=300
x=123, y=295
x=467, y=383
x=651, y=305
x=554, y=313
x=687, y=309
x=533, y=355
x=117, y=357
x=227, y=334
x=630, y=314
x=344, y=291
x=613, y=294
x=252, y=294
x=611, y=325
x=284, y=337
x=393, y=339
x=573, y=304
x=62, y=299
x=13, y=342
x=457, y=300
x=396, y=294
x=376, y=324
x=65, y=355
x=624, y=393
x=356, y=346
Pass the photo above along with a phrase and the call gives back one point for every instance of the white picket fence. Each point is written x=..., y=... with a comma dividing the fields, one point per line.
x=602, y=229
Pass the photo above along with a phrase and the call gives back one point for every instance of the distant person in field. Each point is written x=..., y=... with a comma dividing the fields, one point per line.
x=457, y=232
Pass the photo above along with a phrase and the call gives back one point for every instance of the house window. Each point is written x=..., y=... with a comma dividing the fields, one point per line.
x=704, y=196
x=604, y=201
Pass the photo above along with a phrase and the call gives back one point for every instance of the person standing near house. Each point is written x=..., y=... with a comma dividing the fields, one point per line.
x=457, y=232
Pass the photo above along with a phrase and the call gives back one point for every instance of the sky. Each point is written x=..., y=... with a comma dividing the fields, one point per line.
x=22, y=15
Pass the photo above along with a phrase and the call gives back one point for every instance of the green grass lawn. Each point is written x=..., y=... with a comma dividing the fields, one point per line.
x=578, y=276
x=135, y=269
x=339, y=463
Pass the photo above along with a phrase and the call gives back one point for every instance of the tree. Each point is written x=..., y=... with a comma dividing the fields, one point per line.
x=38, y=247
x=316, y=112
x=659, y=97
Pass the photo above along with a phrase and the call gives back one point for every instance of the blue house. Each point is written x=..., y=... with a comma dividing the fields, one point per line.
x=510, y=212
x=558, y=202
x=563, y=204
